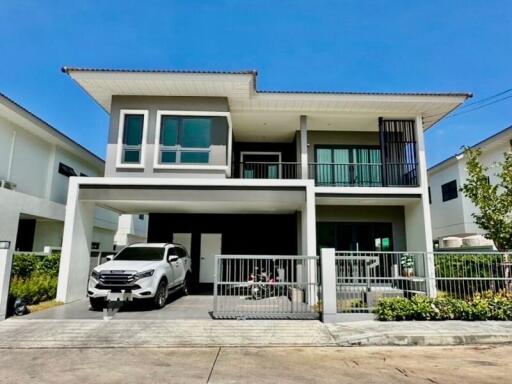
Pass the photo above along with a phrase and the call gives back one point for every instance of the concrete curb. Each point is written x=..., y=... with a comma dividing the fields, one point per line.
x=32, y=334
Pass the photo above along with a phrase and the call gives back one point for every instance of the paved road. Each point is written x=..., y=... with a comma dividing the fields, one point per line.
x=361, y=365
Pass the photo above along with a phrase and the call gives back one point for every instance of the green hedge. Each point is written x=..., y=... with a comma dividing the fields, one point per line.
x=34, y=278
x=486, y=306
x=475, y=273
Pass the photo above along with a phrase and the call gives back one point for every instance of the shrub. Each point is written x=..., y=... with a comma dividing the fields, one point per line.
x=486, y=306
x=473, y=273
x=34, y=278
x=35, y=288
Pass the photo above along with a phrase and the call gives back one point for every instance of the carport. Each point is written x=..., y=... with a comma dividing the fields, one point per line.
x=185, y=212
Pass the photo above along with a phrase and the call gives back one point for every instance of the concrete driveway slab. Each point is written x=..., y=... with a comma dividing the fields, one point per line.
x=178, y=307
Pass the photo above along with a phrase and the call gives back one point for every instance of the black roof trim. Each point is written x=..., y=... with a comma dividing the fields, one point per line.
x=50, y=127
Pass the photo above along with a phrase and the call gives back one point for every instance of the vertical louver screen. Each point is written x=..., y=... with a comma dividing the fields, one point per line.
x=398, y=147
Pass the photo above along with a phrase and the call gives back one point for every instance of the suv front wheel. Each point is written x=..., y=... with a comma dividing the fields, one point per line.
x=161, y=295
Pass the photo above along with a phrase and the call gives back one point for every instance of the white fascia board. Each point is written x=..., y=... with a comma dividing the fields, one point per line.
x=450, y=99
x=137, y=181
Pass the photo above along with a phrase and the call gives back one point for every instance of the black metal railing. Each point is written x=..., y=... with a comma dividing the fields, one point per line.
x=269, y=170
x=363, y=174
x=335, y=175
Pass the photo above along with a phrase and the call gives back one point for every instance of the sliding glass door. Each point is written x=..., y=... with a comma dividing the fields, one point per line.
x=348, y=166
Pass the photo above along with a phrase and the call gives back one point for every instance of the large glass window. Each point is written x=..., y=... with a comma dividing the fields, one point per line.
x=348, y=166
x=132, y=138
x=185, y=140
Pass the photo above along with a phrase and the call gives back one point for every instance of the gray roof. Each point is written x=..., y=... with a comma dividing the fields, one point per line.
x=254, y=73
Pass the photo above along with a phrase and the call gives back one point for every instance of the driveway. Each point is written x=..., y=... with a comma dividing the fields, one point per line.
x=483, y=364
x=178, y=307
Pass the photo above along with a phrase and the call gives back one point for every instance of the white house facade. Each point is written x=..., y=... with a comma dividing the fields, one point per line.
x=224, y=168
x=36, y=164
x=451, y=211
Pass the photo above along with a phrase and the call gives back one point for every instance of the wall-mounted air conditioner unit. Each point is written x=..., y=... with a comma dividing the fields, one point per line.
x=7, y=185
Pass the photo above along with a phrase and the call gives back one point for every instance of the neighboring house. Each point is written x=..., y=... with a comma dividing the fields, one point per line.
x=131, y=229
x=36, y=162
x=222, y=167
x=450, y=209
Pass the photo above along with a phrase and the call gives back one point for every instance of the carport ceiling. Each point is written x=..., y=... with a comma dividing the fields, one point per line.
x=205, y=207
x=195, y=200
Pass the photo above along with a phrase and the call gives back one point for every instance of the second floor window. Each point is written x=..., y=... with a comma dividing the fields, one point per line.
x=184, y=139
x=449, y=190
x=132, y=138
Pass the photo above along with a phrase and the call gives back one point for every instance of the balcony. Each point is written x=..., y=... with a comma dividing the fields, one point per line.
x=336, y=174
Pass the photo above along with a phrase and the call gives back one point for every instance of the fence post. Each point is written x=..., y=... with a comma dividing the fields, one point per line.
x=215, y=281
x=5, y=276
x=430, y=273
x=328, y=267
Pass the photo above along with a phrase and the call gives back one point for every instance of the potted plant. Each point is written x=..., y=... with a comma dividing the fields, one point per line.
x=407, y=263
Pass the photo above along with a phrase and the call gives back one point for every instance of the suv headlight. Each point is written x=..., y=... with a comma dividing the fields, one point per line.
x=95, y=275
x=142, y=275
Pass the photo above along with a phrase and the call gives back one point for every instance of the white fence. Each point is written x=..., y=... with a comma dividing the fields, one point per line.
x=360, y=279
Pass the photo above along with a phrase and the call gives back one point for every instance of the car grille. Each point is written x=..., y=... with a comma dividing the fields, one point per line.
x=117, y=278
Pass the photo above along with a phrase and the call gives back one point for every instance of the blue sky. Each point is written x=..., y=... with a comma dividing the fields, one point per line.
x=357, y=45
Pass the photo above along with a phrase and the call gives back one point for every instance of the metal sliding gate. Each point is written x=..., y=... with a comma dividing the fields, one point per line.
x=266, y=287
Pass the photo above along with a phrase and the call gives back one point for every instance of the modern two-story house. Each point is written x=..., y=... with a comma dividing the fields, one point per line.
x=225, y=168
x=452, y=222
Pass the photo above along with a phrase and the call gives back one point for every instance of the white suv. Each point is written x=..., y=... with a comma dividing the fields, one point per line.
x=142, y=271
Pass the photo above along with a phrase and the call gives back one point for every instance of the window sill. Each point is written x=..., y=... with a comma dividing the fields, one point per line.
x=130, y=166
x=192, y=167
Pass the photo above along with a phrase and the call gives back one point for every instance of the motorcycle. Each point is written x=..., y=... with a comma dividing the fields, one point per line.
x=262, y=284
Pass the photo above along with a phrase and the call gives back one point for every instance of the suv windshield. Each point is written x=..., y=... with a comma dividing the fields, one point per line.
x=141, y=253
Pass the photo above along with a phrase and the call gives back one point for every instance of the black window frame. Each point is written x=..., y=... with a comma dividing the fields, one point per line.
x=449, y=191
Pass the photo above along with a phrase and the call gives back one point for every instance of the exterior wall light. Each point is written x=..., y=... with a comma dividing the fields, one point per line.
x=5, y=244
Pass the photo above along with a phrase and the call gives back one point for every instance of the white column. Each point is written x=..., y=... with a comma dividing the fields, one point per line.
x=304, y=146
x=8, y=230
x=424, y=211
x=76, y=244
x=5, y=275
x=308, y=231
x=328, y=266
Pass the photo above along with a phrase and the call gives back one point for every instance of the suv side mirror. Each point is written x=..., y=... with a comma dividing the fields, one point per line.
x=110, y=257
x=172, y=258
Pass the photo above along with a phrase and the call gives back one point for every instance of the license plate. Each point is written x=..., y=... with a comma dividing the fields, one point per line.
x=119, y=296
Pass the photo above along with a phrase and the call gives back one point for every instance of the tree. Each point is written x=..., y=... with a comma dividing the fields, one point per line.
x=493, y=202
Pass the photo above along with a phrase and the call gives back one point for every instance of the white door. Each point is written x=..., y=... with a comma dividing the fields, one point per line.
x=211, y=245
